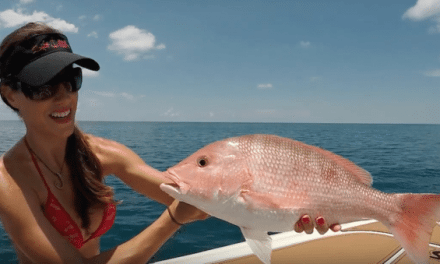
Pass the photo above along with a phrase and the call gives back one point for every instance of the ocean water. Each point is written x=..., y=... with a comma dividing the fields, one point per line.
x=401, y=158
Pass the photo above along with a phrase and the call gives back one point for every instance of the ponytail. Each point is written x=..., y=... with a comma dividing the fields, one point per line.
x=87, y=178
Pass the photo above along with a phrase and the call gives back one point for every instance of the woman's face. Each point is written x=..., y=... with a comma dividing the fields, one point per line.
x=54, y=116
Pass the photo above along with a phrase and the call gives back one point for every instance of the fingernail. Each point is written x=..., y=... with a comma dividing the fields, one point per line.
x=305, y=220
x=320, y=221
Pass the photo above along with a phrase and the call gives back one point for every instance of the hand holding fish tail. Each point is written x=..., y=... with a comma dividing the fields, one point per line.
x=182, y=213
x=306, y=224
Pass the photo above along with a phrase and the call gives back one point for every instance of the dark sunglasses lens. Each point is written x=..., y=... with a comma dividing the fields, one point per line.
x=38, y=93
x=73, y=76
x=77, y=79
x=45, y=92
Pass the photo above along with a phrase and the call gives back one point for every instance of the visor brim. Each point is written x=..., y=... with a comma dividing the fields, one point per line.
x=45, y=68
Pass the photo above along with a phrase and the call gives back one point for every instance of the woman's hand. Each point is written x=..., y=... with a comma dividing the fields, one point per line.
x=306, y=224
x=184, y=213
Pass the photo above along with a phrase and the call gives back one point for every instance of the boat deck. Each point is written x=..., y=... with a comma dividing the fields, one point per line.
x=360, y=242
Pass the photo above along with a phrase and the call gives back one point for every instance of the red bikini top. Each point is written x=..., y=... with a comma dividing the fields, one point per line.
x=63, y=222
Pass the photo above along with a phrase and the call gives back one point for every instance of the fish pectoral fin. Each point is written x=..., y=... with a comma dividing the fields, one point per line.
x=256, y=200
x=260, y=243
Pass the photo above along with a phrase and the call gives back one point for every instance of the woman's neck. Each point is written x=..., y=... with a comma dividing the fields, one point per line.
x=51, y=150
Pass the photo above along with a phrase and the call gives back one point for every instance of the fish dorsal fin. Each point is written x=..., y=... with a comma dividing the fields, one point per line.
x=360, y=174
x=260, y=243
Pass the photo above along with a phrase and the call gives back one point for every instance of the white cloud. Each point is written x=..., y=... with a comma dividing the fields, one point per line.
x=265, y=86
x=170, y=113
x=59, y=7
x=433, y=73
x=105, y=94
x=436, y=28
x=160, y=46
x=423, y=10
x=133, y=43
x=305, y=44
x=26, y=1
x=13, y=18
x=125, y=95
x=93, y=34
x=97, y=17
x=62, y=25
x=94, y=102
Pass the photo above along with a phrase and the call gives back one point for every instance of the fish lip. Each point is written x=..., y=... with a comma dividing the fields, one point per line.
x=171, y=186
x=172, y=177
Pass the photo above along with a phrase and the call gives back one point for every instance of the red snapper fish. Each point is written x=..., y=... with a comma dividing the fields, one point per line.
x=266, y=183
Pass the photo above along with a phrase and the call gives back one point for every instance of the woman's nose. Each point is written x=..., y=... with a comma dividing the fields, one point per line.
x=64, y=90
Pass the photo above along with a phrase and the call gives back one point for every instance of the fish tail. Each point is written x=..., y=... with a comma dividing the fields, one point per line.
x=413, y=224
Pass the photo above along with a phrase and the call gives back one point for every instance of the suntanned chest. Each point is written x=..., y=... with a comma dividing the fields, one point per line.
x=31, y=182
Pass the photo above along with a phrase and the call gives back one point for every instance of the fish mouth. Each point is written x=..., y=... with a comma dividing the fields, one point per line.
x=172, y=176
x=172, y=188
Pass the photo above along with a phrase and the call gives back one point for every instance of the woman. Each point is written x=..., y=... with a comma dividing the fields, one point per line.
x=54, y=204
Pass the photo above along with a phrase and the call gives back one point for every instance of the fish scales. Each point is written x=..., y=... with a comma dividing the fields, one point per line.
x=306, y=177
x=266, y=183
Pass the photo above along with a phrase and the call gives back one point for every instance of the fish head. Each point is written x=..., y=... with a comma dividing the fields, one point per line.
x=216, y=171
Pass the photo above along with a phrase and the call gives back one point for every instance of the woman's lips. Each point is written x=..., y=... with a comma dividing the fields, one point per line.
x=62, y=116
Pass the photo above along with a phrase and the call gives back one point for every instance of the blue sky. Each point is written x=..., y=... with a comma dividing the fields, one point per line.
x=249, y=61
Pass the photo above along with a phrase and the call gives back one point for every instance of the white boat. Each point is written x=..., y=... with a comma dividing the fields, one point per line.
x=365, y=241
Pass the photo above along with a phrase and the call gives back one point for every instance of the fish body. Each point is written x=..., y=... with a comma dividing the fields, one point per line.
x=265, y=183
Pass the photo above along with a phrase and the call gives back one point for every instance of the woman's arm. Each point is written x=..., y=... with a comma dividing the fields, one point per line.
x=143, y=246
x=122, y=162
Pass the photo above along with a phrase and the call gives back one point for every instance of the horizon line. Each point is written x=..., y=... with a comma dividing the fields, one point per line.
x=246, y=122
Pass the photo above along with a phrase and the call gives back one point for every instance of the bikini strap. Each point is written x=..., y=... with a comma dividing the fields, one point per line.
x=35, y=163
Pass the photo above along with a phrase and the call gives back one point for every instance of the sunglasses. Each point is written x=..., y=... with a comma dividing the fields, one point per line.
x=72, y=76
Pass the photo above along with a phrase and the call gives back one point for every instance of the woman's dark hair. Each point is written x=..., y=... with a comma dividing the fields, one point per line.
x=86, y=176
x=8, y=44
x=85, y=168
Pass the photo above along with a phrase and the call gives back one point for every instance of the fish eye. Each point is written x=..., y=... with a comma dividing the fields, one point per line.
x=202, y=162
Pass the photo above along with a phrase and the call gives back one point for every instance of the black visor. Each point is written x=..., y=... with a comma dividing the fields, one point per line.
x=39, y=59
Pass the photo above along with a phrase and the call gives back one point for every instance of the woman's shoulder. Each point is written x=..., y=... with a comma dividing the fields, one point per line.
x=4, y=175
x=8, y=185
x=103, y=146
x=112, y=155
x=10, y=162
